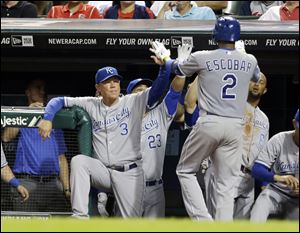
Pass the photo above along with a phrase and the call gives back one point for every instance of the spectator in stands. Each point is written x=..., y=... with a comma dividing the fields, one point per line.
x=8, y=176
x=185, y=10
x=217, y=6
x=74, y=9
x=256, y=8
x=18, y=9
x=40, y=165
x=43, y=7
x=287, y=11
x=128, y=10
x=102, y=5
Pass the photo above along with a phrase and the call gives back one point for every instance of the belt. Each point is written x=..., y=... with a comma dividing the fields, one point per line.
x=40, y=179
x=123, y=168
x=245, y=170
x=153, y=182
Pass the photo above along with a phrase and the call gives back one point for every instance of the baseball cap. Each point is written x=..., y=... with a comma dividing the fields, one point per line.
x=137, y=82
x=297, y=118
x=106, y=73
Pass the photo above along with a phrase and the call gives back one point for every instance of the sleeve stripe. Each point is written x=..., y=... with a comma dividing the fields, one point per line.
x=262, y=163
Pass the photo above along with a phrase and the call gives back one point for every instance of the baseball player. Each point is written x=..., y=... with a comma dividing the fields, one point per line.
x=223, y=81
x=116, y=121
x=8, y=176
x=278, y=164
x=155, y=126
x=255, y=137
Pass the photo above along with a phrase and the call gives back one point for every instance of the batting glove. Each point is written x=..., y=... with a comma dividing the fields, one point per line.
x=160, y=51
x=240, y=46
x=184, y=52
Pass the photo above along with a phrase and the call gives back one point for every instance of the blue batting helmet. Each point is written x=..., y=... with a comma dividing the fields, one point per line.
x=136, y=82
x=227, y=29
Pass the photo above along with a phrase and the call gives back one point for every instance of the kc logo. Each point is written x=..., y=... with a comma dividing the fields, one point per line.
x=109, y=70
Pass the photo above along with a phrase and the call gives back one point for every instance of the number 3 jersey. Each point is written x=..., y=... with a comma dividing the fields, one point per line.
x=224, y=77
x=116, y=129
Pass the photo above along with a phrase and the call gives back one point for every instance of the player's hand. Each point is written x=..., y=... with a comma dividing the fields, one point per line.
x=45, y=128
x=240, y=46
x=289, y=180
x=184, y=51
x=23, y=192
x=160, y=52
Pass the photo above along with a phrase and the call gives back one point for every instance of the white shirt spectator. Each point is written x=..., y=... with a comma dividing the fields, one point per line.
x=258, y=8
x=158, y=5
x=272, y=14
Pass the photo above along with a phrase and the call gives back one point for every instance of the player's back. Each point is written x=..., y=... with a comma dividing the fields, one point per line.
x=224, y=77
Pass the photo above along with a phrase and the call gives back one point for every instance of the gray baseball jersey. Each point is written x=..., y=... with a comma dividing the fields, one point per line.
x=255, y=134
x=282, y=156
x=154, y=138
x=224, y=77
x=116, y=129
x=3, y=158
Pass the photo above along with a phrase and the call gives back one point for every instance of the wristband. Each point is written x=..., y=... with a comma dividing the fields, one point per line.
x=14, y=182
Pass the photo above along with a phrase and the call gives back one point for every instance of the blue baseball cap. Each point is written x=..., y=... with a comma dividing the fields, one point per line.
x=297, y=118
x=137, y=82
x=106, y=73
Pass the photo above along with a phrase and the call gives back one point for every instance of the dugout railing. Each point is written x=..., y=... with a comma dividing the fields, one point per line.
x=77, y=128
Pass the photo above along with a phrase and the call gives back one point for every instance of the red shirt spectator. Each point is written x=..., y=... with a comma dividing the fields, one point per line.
x=287, y=11
x=286, y=14
x=74, y=10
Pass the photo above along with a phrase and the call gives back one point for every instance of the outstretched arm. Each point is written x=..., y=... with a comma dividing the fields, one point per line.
x=161, y=83
x=178, y=82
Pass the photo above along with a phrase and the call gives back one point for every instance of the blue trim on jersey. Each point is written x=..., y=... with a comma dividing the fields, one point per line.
x=53, y=107
x=171, y=101
x=262, y=173
x=175, y=68
x=191, y=119
x=160, y=84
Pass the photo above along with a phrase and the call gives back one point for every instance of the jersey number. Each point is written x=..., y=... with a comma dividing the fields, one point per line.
x=124, y=128
x=154, y=141
x=229, y=86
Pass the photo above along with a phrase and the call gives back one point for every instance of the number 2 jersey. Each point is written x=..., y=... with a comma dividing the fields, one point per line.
x=224, y=77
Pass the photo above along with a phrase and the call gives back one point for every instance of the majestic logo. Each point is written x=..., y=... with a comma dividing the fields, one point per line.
x=20, y=121
x=15, y=121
